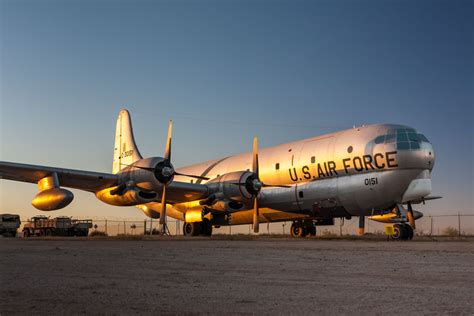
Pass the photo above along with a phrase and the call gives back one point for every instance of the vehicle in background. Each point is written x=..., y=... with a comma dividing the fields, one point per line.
x=59, y=226
x=9, y=223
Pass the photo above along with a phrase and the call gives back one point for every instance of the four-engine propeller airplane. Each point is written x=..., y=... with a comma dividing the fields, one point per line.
x=368, y=171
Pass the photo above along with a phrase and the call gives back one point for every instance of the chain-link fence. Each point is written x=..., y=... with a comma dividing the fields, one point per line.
x=429, y=225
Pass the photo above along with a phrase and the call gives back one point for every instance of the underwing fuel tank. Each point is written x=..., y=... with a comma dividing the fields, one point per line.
x=52, y=199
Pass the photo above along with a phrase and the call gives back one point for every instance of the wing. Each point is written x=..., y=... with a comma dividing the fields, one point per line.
x=76, y=179
x=178, y=192
x=92, y=181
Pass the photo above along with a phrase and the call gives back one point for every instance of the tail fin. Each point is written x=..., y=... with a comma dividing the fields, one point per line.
x=125, y=150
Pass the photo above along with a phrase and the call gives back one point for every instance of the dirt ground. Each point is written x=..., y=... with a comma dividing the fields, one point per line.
x=217, y=276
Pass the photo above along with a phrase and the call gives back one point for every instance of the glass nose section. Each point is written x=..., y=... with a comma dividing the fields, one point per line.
x=405, y=138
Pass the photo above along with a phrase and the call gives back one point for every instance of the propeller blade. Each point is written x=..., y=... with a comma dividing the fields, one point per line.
x=256, y=224
x=411, y=217
x=191, y=176
x=163, y=207
x=167, y=155
x=255, y=157
x=276, y=186
x=139, y=167
x=264, y=185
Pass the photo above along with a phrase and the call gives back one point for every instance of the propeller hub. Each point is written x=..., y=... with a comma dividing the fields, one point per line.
x=253, y=184
x=257, y=185
x=167, y=171
x=164, y=172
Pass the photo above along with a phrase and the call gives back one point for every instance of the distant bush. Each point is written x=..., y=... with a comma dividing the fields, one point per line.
x=327, y=233
x=451, y=232
x=98, y=233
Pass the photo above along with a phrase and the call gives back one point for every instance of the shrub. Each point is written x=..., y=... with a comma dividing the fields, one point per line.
x=451, y=232
x=98, y=233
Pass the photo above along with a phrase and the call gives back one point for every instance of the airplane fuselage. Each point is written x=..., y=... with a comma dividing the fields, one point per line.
x=363, y=170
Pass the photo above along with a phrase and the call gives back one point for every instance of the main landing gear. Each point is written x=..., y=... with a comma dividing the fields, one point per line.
x=300, y=229
x=203, y=228
x=402, y=231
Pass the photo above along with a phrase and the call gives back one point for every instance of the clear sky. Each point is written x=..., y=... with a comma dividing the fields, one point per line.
x=225, y=71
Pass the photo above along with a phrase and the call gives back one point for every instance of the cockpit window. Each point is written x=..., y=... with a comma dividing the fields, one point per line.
x=390, y=138
x=406, y=138
x=423, y=138
x=403, y=145
x=402, y=137
x=380, y=139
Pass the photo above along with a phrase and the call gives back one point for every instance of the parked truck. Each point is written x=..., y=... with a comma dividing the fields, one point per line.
x=59, y=226
x=9, y=223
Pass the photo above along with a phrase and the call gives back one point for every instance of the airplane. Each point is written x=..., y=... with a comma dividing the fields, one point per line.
x=377, y=171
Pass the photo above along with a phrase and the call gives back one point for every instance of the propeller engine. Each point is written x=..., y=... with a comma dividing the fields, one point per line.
x=242, y=186
x=164, y=173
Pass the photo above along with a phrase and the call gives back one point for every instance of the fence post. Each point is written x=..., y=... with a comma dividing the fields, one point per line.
x=124, y=228
x=341, y=222
x=459, y=224
x=151, y=226
x=431, y=226
x=144, y=227
x=106, y=226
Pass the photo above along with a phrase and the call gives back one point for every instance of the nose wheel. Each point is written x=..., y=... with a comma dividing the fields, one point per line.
x=402, y=232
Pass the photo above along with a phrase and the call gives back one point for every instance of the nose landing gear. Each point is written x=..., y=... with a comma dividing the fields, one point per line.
x=402, y=231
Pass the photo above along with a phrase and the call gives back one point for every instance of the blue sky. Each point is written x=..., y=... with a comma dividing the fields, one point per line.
x=228, y=70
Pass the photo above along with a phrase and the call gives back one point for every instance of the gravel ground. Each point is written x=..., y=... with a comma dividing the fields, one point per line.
x=216, y=276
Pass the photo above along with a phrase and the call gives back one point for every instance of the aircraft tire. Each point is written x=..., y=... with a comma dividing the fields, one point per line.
x=192, y=229
x=297, y=231
x=206, y=228
x=311, y=231
x=409, y=231
x=47, y=232
x=26, y=233
x=399, y=232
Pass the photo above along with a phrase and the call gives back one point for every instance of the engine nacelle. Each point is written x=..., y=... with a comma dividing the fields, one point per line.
x=52, y=199
x=146, y=179
x=227, y=186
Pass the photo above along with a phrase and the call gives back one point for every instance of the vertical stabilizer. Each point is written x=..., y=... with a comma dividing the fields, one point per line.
x=125, y=150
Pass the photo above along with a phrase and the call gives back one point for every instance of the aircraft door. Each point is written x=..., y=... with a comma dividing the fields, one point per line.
x=318, y=181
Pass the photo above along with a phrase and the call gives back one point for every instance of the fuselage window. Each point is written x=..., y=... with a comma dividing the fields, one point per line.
x=301, y=194
x=277, y=166
x=313, y=159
